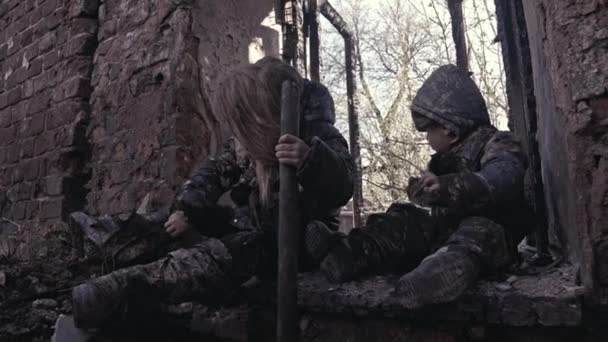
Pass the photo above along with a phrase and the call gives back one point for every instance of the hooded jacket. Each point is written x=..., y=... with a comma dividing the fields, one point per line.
x=222, y=197
x=483, y=172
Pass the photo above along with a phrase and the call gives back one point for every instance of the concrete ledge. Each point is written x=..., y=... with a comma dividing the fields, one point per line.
x=550, y=304
x=551, y=299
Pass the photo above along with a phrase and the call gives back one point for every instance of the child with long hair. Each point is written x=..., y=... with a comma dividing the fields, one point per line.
x=243, y=245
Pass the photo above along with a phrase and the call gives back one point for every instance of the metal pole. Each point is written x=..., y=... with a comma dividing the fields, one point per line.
x=289, y=225
x=313, y=26
x=330, y=13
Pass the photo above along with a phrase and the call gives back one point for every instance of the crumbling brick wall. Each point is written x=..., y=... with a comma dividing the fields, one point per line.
x=45, y=64
x=105, y=101
x=152, y=80
x=569, y=44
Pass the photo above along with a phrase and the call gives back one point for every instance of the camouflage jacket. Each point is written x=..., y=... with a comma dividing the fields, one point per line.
x=483, y=175
x=222, y=194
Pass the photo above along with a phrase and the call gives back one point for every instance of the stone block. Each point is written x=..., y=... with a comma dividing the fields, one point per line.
x=27, y=148
x=26, y=37
x=43, y=143
x=7, y=135
x=35, y=67
x=14, y=95
x=35, y=125
x=83, y=44
x=30, y=169
x=47, y=42
x=54, y=185
x=18, y=210
x=51, y=208
x=48, y=7
x=85, y=8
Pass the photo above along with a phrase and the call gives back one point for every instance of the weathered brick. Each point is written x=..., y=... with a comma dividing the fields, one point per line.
x=84, y=8
x=25, y=38
x=7, y=135
x=11, y=80
x=3, y=50
x=35, y=125
x=18, y=114
x=30, y=169
x=47, y=42
x=32, y=209
x=3, y=9
x=51, y=208
x=17, y=174
x=18, y=210
x=64, y=136
x=20, y=75
x=49, y=59
x=35, y=67
x=2, y=155
x=77, y=87
x=30, y=5
x=20, y=192
x=12, y=153
x=35, y=16
x=40, y=102
x=27, y=148
x=14, y=95
x=120, y=172
x=42, y=143
x=82, y=44
x=5, y=118
x=48, y=7
x=78, y=66
x=52, y=21
x=20, y=25
x=40, y=83
x=80, y=26
x=54, y=185
x=30, y=52
x=28, y=89
x=18, y=11
x=3, y=100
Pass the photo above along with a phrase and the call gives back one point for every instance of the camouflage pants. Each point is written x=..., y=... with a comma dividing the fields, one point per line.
x=207, y=271
x=398, y=240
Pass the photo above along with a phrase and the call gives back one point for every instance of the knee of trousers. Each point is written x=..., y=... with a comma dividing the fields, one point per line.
x=485, y=239
x=209, y=260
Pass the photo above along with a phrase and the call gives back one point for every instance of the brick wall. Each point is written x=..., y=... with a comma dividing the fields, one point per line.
x=105, y=101
x=152, y=80
x=45, y=63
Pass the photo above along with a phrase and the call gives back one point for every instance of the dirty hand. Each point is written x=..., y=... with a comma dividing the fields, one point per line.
x=429, y=182
x=177, y=224
x=291, y=150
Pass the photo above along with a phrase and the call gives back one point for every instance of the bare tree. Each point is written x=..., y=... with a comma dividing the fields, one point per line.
x=398, y=44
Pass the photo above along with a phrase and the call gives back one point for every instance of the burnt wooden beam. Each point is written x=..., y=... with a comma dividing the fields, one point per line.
x=289, y=225
x=458, y=33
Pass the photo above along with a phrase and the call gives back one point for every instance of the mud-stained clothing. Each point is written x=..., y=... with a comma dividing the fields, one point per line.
x=221, y=200
x=478, y=215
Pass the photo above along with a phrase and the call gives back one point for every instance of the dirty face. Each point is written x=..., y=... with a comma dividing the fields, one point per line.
x=440, y=138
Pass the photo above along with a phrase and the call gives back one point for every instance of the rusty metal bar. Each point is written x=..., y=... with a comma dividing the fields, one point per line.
x=330, y=13
x=313, y=36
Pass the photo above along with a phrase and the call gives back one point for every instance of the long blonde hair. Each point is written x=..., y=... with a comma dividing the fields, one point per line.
x=249, y=99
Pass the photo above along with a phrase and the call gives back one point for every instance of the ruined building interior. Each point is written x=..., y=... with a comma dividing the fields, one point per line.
x=105, y=103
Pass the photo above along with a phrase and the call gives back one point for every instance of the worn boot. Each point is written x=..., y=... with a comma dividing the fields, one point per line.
x=202, y=272
x=318, y=239
x=341, y=264
x=95, y=301
x=441, y=277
